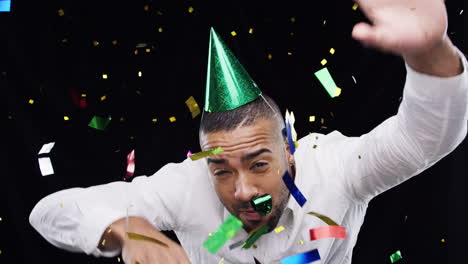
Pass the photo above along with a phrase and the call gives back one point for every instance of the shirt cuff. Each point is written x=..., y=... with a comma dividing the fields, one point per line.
x=92, y=228
x=432, y=88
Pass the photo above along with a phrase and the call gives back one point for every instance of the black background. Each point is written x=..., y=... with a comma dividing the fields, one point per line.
x=43, y=56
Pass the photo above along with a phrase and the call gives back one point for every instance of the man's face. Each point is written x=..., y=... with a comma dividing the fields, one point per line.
x=254, y=160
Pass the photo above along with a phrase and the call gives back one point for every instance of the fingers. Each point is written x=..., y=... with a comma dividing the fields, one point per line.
x=364, y=33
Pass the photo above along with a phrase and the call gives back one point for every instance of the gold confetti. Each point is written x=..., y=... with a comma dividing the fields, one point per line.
x=323, y=62
x=95, y=43
x=172, y=119
x=66, y=118
x=110, y=230
x=270, y=56
x=83, y=95
x=322, y=120
x=279, y=229
x=311, y=118
x=250, y=30
x=193, y=106
x=300, y=242
x=233, y=33
x=324, y=22
x=221, y=261
x=61, y=12
x=118, y=259
x=140, y=74
x=1, y=219
x=355, y=6
x=31, y=101
x=114, y=42
x=135, y=236
x=337, y=91
x=289, y=53
x=146, y=7
x=190, y=9
x=122, y=119
x=103, y=98
x=159, y=13
x=160, y=29
x=0, y=251
x=292, y=19
x=135, y=52
x=104, y=76
x=148, y=50
x=332, y=51
x=103, y=242
x=210, y=234
x=154, y=120
x=442, y=240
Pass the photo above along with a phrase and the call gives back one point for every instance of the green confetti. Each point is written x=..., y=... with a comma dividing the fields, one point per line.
x=255, y=236
x=224, y=232
x=262, y=204
x=206, y=153
x=395, y=256
x=99, y=123
x=327, y=81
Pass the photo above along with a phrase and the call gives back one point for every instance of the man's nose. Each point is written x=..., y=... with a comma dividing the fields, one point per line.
x=246, y=190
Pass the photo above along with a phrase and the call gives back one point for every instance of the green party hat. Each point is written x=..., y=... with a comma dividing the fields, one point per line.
x=228, y=85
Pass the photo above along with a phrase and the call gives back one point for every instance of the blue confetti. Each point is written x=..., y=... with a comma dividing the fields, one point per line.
x=303, y=258
x=300, y=199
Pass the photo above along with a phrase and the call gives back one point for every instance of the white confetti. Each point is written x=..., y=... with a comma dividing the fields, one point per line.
x=461, y=12
x=46, y=166
x=354, y=79
x=46, y=148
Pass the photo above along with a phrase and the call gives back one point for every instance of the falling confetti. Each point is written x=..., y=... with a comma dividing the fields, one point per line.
x=136, y=236
x=61, y=12
x=303, y=258
x=255, y=236
x=355, y=6
x=221, y=261
x=327, y=81
x=45, y=165
x=332, y=51
x=323, y=62
x=442, y=240
x=270, y=56
x=329, y=231
x=311, y=118
x=354, y=79
x=31, y=101
x=104, y=76
x=154, y=120
x=193, y=106
x=395, y=256
x=114, y=42
x=99, y=123
x=293, y=19
x=295, y=192
x=95, y=43
x=279, y=229
x=206, y=153
x=224, y=232
x=140, y=74
x=66, y=118
x=46, y=148
x=191, y=9
x=103, y=98
x=172, y=119
x=233, y=33
x=300, y=242
x=130, y=165
x=251, y=30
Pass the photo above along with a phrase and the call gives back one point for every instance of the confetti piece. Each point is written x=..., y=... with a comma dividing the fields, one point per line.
x=190, y=9
x=66, y=118
x=300, y=242
x=255, y=236
x=251, y=30
x=329, y=231
x=95, y=43
x=233, y=33
x=45, y=165
x=332, y=51
x=136, y=236
x=289, y=53
x=324, y=22
x=221, y=261
x=46, y=148
x=442, y=240
x=324, y=218
x=323, y=62
x=279, y=229
x=189, y=153
x=146, y=7
x=270, y=56
x=61, y=12
x=114, y=42
x=293, y=19
x=130, y=165
x=31, y=101
x=103, y=98
x=461, y=12
x=140, y=74
x=262, y=204
x=327, y=81
x=172, y=119
x=303, y=258
x=395, y=256
x=292, y=146
x=118, y=259
x=154, y=120
x=193, y=106
x=206, y=153
x=337, y=91
x=148, y=50
x=99, y=123
x=224, y=232
x=104, y=76
x=291, y=119
x=160, y=29
x=135, y=52
x=298, y=196
x=355, y=6
x=311, y=118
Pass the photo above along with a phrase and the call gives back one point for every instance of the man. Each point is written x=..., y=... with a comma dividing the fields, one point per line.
x=338, y=175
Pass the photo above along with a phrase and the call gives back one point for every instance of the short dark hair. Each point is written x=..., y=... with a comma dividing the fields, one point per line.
x=264, y=107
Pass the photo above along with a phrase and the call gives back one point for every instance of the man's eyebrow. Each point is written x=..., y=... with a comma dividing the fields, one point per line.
x=216, y=161
x=255, y=154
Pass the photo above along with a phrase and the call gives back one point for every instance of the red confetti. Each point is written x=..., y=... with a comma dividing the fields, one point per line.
x=130, y=165
x=77, y=100
x=330, y=231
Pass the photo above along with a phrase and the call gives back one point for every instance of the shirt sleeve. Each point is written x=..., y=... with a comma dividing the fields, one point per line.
x=75, y=219
x=430, y=123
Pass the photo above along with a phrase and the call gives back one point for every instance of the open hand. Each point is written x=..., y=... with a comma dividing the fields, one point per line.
x=403, y=27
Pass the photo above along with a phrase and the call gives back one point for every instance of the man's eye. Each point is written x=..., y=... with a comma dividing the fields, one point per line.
x=260, y=164
x=220, y=172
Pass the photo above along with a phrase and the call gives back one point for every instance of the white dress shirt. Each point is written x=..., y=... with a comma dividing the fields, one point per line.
x=338, y=177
